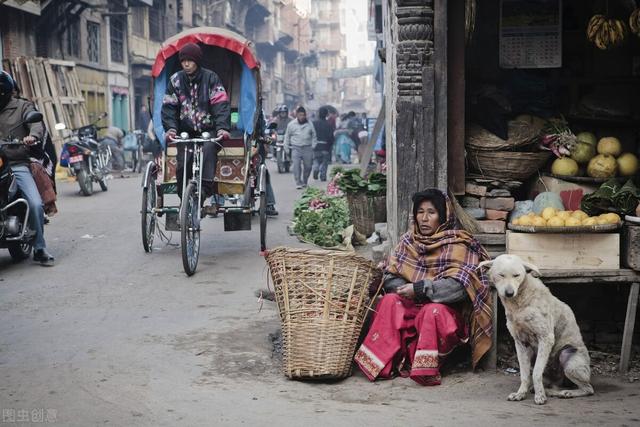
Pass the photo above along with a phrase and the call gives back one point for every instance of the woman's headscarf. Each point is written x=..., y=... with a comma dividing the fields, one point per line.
x=450, y=252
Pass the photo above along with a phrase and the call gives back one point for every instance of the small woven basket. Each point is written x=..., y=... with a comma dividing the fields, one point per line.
x=515, y=165
x=323, y=298
x=365, y=211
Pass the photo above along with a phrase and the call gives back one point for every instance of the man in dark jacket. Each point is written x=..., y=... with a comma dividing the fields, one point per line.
x=13, y=112
x=196, y=102
x=322, y=150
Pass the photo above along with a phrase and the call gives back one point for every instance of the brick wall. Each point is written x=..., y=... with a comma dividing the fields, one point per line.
x=17, y=37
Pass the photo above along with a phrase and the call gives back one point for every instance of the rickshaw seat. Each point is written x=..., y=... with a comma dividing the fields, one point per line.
x=231, y=171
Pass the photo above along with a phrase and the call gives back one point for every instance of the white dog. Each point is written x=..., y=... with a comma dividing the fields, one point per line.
x=544, y=329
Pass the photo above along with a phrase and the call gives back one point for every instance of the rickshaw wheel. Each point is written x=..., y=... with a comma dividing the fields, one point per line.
x=148, y=216
x=263, y=221
x=190, y=229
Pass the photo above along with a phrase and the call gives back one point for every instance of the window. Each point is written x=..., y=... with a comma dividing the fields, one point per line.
x=73, y=38
x=138, y=21
x=117, y=38
x=93, y=41
x=156, y=23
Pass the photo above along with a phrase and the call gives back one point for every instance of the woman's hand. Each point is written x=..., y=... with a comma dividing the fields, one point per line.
x=406, y=291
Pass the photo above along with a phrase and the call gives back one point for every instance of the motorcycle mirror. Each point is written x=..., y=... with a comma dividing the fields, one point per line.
x=184, y=135
x=60, y=126
x=33, y=117
x=206, y=135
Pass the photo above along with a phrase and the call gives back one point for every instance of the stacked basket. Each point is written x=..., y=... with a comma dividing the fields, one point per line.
x=516, y=158
x=323, y=298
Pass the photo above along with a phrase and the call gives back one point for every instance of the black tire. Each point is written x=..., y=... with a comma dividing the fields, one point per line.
x=190, y=229
x=281, y=161
x=148, y=217
x=85, y=182
x=287, y=165
x=20, y=251
x=263, y=221
x=280, y=167
x=103, y=184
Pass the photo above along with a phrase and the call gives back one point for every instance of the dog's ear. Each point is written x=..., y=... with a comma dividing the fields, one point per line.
x=484, y=264
x=531, y=269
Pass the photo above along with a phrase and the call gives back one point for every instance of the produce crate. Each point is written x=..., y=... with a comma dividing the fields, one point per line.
x=631, y=246
x=566, y=251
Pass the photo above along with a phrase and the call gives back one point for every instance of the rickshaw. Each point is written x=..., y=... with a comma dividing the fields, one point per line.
x=240, y=173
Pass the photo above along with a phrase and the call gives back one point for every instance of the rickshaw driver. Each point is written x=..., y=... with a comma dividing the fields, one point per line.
x=195, y=102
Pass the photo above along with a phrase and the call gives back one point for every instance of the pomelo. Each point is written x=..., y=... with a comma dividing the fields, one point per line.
x=609, y=145
x=627, y=164
x=602, y=166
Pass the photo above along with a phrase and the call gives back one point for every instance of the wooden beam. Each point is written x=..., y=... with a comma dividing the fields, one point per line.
x=629, y=323
x=456, y=97
x=440, y=26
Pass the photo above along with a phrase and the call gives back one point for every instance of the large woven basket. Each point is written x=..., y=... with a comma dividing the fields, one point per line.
x=514, y=165
x=521, y=133
x=365, y=211
x=323, y=298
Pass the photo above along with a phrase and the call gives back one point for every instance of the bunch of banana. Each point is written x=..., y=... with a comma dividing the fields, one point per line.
x=634, y=22
x=605, y=33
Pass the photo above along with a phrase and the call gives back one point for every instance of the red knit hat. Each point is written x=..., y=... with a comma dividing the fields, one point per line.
x=191, y=51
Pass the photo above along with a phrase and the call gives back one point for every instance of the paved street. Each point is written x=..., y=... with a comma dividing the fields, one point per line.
x=114, y=336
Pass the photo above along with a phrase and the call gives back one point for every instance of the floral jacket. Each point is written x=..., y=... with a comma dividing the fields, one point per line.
x=196, y=105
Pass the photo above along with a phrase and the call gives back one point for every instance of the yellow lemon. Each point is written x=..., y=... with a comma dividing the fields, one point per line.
x=538, y=221
x=564, y=214
x=590, y=221
x=602, y=220
x=579, y=214
x=612, y=218
x=516, y=221
x=531, y=214
x=548, y=213
x=525, y=220
x=555, y=221
x=572, y=221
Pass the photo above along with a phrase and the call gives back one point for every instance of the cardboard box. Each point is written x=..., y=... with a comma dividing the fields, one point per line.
x=566, y=251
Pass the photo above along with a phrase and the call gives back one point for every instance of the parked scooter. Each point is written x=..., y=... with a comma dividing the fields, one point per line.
x=88, y=159
x=15, y=233
x=283, y=156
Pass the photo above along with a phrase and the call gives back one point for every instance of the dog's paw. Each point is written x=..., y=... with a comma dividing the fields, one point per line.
x=565, y=394
x=540, y=399
x=514, y=397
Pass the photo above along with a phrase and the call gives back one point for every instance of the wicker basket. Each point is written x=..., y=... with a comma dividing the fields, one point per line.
x=521, y=133
x=514, y=165
x=323, y=298
x=365, y=211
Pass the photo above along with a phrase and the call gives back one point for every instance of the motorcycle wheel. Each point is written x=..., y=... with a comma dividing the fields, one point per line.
x=148, y=216
x=190, y=229
x=85, y=182
x=287, y=165
x=20, y=251
x=281, y=163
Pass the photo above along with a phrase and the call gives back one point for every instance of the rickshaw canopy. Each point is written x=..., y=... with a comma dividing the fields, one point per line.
x=230, y=55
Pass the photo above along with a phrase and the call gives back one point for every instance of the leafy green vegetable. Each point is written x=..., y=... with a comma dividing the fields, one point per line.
x=321, y=226
x=352, y=182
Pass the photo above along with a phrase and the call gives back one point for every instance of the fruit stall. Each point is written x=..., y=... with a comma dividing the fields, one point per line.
x=551, y=143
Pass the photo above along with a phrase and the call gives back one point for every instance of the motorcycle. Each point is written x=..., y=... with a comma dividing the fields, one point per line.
x=15, y=233
x=283, y=156
x=88, y=159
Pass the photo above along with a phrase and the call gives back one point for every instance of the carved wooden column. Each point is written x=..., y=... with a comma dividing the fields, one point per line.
x=416, y=94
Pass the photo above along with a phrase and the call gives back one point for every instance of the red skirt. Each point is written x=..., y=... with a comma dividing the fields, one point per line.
x=403, y=331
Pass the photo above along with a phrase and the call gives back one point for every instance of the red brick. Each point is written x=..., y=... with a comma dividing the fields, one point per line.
x=492, y=227
x=475, y=190
x=498, y=203
x=493, y=214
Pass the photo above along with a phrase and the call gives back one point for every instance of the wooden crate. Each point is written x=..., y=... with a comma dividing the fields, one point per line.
x=566, y=251
x=631, y=246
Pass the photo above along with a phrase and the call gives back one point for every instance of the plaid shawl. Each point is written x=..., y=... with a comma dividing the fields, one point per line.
x=449, y=252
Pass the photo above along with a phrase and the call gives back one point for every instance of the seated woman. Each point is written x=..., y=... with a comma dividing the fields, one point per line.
x=435, y=299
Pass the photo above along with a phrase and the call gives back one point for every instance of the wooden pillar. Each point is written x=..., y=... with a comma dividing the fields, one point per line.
x=416, y=103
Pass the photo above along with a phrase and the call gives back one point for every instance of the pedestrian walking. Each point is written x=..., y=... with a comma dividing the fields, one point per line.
x=343, y=141
x=322, y=150
x=300, y=137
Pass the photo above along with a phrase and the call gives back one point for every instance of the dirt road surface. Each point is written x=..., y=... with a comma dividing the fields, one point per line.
x=114, y=336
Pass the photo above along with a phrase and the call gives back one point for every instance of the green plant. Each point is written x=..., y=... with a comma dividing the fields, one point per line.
x=352, y=182
x=320, y=219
